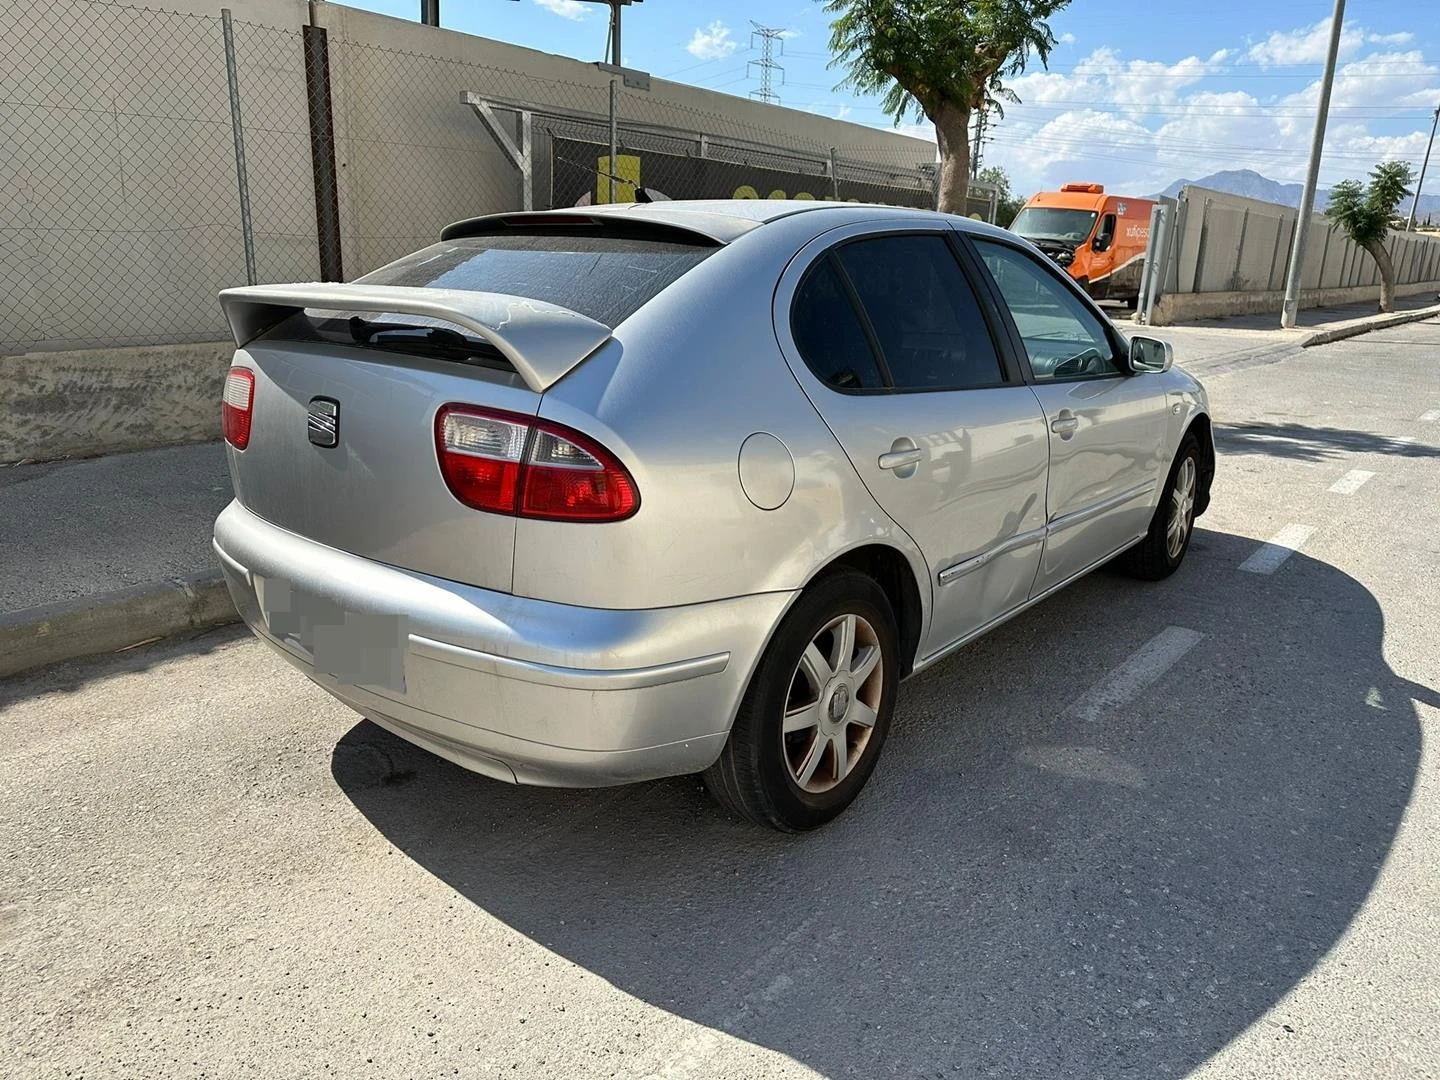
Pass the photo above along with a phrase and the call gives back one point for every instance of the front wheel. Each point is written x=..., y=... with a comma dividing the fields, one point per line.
x=1159, y=555
x=817, y=710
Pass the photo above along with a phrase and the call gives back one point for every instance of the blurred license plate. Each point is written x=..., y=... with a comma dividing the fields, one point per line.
x=357, y=648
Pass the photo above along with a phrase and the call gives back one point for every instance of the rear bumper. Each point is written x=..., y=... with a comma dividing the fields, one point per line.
x=522, y=690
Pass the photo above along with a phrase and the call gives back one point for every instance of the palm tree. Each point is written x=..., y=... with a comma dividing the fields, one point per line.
x=1364, y=212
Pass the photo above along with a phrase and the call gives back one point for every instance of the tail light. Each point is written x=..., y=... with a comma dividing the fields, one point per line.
x=511, y=463
x=236, y=406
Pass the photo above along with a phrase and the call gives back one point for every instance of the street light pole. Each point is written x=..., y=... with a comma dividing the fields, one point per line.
x=1410, y=226
x=1312, y=175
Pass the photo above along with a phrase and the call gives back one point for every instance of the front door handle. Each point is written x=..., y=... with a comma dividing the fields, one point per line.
x=1065, y=424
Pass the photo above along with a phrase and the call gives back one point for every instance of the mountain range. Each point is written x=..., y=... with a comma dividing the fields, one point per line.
x=1251, y=185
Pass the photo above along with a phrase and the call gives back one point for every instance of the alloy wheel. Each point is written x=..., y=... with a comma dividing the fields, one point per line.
x=831, y=708
x=1182, y=508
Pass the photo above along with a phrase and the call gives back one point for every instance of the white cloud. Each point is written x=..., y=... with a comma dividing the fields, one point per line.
x=843, y=112
x=573, y=10
x=1404, y=37
x=1066, y=39
x=1393, y=79
x=1138, y=124
x=712, y=42
x=1305, y=45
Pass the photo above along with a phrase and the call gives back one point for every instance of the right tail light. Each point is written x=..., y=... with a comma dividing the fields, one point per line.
x=512, y=463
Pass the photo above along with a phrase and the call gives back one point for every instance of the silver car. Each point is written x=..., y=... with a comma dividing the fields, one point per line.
x=593, y=496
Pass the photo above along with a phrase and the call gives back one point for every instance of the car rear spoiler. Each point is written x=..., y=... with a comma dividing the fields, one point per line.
x=541, y=341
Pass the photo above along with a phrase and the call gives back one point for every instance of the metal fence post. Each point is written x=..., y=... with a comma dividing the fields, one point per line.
x=1157, y=256
x=834, y=176
x=322, y=152
x=527, y=160
x=613, y=168
x=246, y=233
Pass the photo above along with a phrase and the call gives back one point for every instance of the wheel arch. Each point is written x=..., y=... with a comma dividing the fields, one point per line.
x=1200, y=427
x=889, y=567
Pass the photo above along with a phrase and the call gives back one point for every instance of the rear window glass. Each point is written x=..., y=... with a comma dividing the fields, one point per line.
x=605, y=277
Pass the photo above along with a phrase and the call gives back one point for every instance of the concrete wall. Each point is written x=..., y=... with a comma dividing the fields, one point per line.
x=1184, y=307
x=1240, y=247
x=92, y=401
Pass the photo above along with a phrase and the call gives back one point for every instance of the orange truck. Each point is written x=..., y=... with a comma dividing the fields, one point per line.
x=1100, y=239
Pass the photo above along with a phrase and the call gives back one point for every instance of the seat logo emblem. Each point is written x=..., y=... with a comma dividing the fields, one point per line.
x=323, y=421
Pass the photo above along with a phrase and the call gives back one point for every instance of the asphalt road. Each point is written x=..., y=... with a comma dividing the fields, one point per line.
x=1141, y=831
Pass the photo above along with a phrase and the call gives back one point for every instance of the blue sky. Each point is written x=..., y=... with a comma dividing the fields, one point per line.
x=1131, y=100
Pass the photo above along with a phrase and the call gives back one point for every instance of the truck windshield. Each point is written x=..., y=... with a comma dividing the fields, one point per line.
x=1053, y=223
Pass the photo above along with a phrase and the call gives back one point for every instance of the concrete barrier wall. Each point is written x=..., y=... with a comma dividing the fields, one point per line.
x=1185, y=307
x=83, y=402
x=1234, y=254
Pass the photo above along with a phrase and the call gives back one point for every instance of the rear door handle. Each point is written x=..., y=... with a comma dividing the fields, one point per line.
x=1065, y=424
x=899, y=459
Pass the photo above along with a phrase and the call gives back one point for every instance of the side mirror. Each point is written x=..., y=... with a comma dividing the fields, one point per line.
x=1101, y=242
x=1148, y=354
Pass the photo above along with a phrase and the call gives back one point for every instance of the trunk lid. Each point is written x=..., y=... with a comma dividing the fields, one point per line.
x=377, y=491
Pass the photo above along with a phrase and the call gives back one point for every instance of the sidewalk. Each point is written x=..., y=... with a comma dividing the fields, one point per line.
x=105, y=553
x=1208, y=342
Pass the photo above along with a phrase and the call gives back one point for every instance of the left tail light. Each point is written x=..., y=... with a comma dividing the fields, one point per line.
x=511, y=463
x=237, y=405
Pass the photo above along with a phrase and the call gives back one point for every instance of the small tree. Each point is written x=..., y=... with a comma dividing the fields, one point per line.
x=1365, y=212
x=942, y=59
x=1008, y=204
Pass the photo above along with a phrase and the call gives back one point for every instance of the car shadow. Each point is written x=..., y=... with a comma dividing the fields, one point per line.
x=1024, y=889
x=1303, y=443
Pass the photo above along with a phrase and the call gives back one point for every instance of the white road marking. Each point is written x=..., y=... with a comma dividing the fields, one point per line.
x=1271, y=555
x=1430, y=417
x=1146, y=664
x=1351, y=482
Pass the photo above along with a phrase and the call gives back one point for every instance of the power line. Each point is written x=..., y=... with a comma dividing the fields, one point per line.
x=768, y=36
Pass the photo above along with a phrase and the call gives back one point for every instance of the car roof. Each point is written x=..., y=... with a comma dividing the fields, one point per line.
x=720, y=220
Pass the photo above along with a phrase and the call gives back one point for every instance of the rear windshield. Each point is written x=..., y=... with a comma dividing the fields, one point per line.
x=607, y=278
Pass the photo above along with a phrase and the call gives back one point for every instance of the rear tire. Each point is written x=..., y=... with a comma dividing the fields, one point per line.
x=1163, y=550
x=815, y=716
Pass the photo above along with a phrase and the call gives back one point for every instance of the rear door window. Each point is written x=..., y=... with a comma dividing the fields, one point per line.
x=927, y=320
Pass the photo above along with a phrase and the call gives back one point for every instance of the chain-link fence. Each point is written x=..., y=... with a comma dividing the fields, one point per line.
x=153, y=158
x=117, y=170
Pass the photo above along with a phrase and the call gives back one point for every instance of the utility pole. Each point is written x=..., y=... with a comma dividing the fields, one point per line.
x=976, y=153
x=1410, y=227
x=768, y=36
x=1312, y=175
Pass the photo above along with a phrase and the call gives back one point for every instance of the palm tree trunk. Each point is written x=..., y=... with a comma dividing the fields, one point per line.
x=1387, y=273
x=952, y=132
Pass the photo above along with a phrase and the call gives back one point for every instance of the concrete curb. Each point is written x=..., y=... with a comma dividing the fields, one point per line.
x=113, y=621
x=1364, y=326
